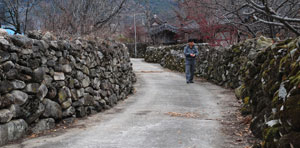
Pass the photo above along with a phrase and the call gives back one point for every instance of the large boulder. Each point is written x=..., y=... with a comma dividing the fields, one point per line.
x=52, y=109
x=44, y=124
x=13, y=130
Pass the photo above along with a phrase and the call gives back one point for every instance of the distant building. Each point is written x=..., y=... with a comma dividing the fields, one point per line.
x=163, y=33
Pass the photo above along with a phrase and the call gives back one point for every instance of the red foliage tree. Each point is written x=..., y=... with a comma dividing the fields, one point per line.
x=211, y=29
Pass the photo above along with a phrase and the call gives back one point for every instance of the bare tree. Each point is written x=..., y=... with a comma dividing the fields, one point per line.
x=16, y=14
x=80, y=17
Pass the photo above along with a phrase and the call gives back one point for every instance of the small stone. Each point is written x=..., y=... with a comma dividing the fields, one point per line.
x=6, y=87
x=26, y=51
x=42, y=92
x=5, y=115
x=20, y=97
x=86, y=82
x=63, y=94
x=8, y=65
x=69, y=112
x=4, y=56
x=80, y=112
x=59, y=76
x=17, y=84
x=4, y=43
x=37, y=113
x=87, y=100
x=67, y=68
x=39, y=74
x=96, y=83
x=32, y=88
x=44, y=124
x=48, y=36
x=66, y=104
x=16, y=111
x=70, y=120
x=80, y=75
x=54, y=45
x=52, y=92
x=6, y=100
x=86, y=70
x=12, y=74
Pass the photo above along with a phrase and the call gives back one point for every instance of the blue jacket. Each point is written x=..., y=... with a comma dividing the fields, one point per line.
x=188, y=51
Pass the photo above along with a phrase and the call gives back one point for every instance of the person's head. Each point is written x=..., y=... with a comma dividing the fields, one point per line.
x=191, y=42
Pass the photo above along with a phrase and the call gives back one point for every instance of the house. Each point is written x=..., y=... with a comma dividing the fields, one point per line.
x=161, y=32
x=164, y=33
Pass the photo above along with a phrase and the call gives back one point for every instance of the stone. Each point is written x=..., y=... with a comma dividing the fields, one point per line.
x=4, y=56
x=59, y=76
x=48, y=36
x=86, y=82
x=67, y=68
x=54, y=45
x=80, y=75
x=42, y=92
x=63, y=94
x=69, y=112
x=5, y=115
x=17, y=84
x=96, y=83
x=80, y=112
x=22, y=41
x=19, y=97
x=86, y=70
x=48, y=80
x=37, y=113
x=6, y=100
x=52, y=92
x=13, y=130
x=36, y=34
x=27, y=51
x=16, y=110
x=52, y=109
x=39, y=74
x=6, y=87
x=87, y=100
x=43, y=125
x=66, y=104
x=70, y=120
x=4, y=43
x=12, y=74
x=113, y=99
x=8, y=65
x=32, y=88
x=74, y=95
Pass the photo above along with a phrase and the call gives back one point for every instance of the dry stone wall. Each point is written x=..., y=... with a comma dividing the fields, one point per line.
x=44, y=81
x=265, y=75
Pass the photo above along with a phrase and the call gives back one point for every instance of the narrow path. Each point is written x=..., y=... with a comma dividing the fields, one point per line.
x=165, y=112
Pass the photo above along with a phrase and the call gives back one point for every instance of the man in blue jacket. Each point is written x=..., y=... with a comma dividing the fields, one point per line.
x=190, y=52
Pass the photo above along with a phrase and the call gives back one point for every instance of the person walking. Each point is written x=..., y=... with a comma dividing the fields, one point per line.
x=190, y=52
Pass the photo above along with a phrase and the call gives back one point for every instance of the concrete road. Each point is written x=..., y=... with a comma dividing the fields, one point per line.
x=165, y=112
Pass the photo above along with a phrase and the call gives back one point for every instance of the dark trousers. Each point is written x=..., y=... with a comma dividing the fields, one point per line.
x=189, y=70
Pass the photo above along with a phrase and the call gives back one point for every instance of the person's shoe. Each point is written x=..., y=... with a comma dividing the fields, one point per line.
x=187, y=82
x=191, y=81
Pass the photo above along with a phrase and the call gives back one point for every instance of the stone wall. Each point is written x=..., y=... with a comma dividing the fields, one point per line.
x=266, y=76
x=44, y=81
x=141, y=49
